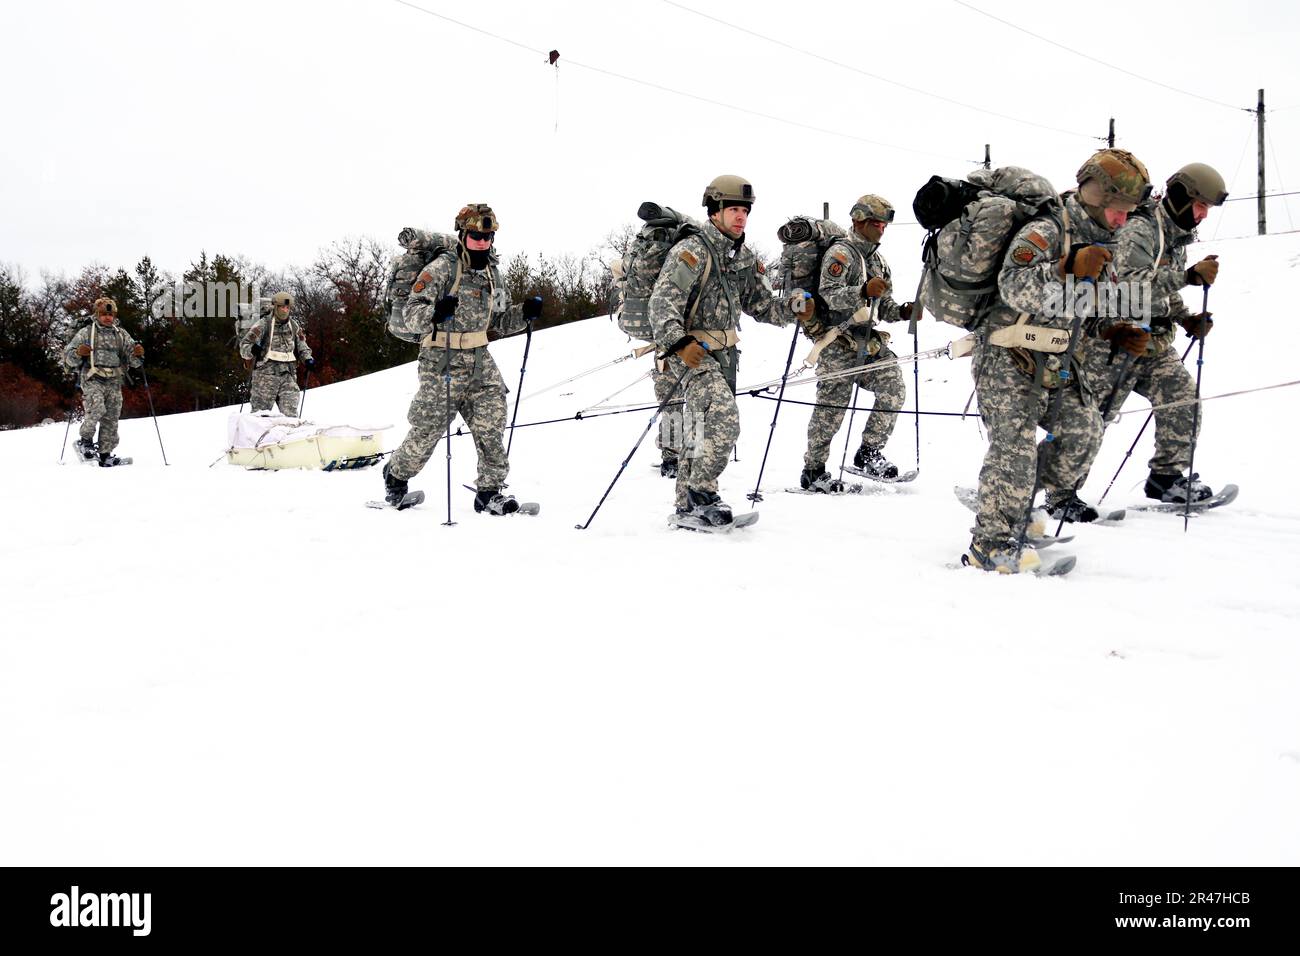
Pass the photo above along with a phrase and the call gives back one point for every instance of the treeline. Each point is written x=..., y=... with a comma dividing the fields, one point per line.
x=191, y=354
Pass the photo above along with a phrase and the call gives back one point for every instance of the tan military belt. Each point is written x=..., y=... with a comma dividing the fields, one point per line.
x=280, y=357
x=1035, y=338
x=459, y=340
x=717, y=338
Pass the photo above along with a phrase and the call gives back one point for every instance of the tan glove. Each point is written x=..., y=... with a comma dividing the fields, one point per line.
x=1204, y=272
x=138, y=350
x=1085, y=262
x=1197, y=326
x=874, y=288
x=692, y=353
x=1129, y=338
x=83, y=350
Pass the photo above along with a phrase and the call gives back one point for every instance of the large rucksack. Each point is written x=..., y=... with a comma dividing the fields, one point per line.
x=971, y=223
x=636, y=272
x=804, y=241
x=421, y=248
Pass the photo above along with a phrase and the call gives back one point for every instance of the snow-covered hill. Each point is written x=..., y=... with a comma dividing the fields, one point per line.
x=203, y=665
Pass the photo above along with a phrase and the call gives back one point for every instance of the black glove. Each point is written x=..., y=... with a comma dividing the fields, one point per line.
x=310, y=363
x=445, y=308
x=532, y=308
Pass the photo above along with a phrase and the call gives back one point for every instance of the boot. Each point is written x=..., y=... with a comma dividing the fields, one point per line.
x=668, y=468
x=1173, y=488
x=108, y=459
x=708, y=506
x=1003, y=558
x=817, y=479
x=494, y=503
x=871, y=461
x=85, y=450
x=394, y=488
x=1072, y=508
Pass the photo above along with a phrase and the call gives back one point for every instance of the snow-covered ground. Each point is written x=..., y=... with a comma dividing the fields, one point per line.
x=203, y=665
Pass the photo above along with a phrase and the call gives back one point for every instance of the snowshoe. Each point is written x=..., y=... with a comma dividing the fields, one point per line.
x=494, y=503
x=85, y=450
x=1072, y=508
x=394, y=488
x=708, y=507
x=108, y=460
x=818, y=480
x=1003, y=558
x=1225, y=497
x=1173, y=489
x=872, y=464
x=408, y=500
x=693, y=522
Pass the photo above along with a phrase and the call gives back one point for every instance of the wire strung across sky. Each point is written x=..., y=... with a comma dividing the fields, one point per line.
x=876, y=76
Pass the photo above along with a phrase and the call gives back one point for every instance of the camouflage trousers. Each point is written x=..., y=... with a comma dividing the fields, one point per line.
x=478, y=394
x=709, y=421
x=101, y=401
x=276, y=383
x=1159, y=378
x=886, y=384
x=1012, y=406
x=666, y=441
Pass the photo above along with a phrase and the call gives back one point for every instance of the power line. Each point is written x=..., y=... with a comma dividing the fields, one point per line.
x=1111, y=66
x=1266, y=195
x=686, y=94
x=875, y=76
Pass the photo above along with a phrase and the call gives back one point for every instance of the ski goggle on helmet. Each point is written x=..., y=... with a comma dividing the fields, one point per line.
x=871, y=208
x=1124, y=181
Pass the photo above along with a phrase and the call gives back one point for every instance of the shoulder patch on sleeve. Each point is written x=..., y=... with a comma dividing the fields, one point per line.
x=760, y=268
x=836, y=269
x=1022, y=254
x=1037, y=240
x=422, y=281
x=840, y=256
x=688, y=257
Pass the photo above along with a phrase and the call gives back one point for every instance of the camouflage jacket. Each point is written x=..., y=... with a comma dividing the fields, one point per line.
x=111, y=347
x=1150, y=233
x=482, y=299
x=286, y=338
x=737, y=282
x=846, y=267
x=1029, y=275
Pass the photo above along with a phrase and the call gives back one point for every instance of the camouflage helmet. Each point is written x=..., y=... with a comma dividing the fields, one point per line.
x=727, y=191
x=477, y=217
x=105, y=306
x=872, y=207
x=1201, y=182
x=1119, y=173
x=282, y=298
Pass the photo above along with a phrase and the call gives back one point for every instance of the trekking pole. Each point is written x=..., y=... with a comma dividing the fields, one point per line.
x=523, y=367
x=251, y=367
x=149, y=394
x=71, y=414
x=621, y=468
x=1196, y=409
x=446, y=376
x=302, y=399
x=1141, y=431
x=756, y=496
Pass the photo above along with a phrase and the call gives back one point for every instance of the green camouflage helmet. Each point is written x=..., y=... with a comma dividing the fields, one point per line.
x=477, y=217
x=282, y=298
x=1119, y=173
x=872, y=207
x=728, y=190
x=1202, y=183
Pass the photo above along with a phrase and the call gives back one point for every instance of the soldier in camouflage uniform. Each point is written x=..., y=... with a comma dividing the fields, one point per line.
x=1152, y=247
x=272, y=347
x=706, y=282
x=100, y=352
x=854, y=275
x=455, y=301
x=1016, y=384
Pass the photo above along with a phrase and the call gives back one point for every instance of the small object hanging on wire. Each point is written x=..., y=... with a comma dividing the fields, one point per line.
x=553, y=58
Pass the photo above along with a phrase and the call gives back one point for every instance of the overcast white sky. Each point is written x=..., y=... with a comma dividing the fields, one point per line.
x=272, y=128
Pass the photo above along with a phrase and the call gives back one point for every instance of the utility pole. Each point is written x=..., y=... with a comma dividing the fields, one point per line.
x=987, y=162
x=1259, y=120
x=1110, y=137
